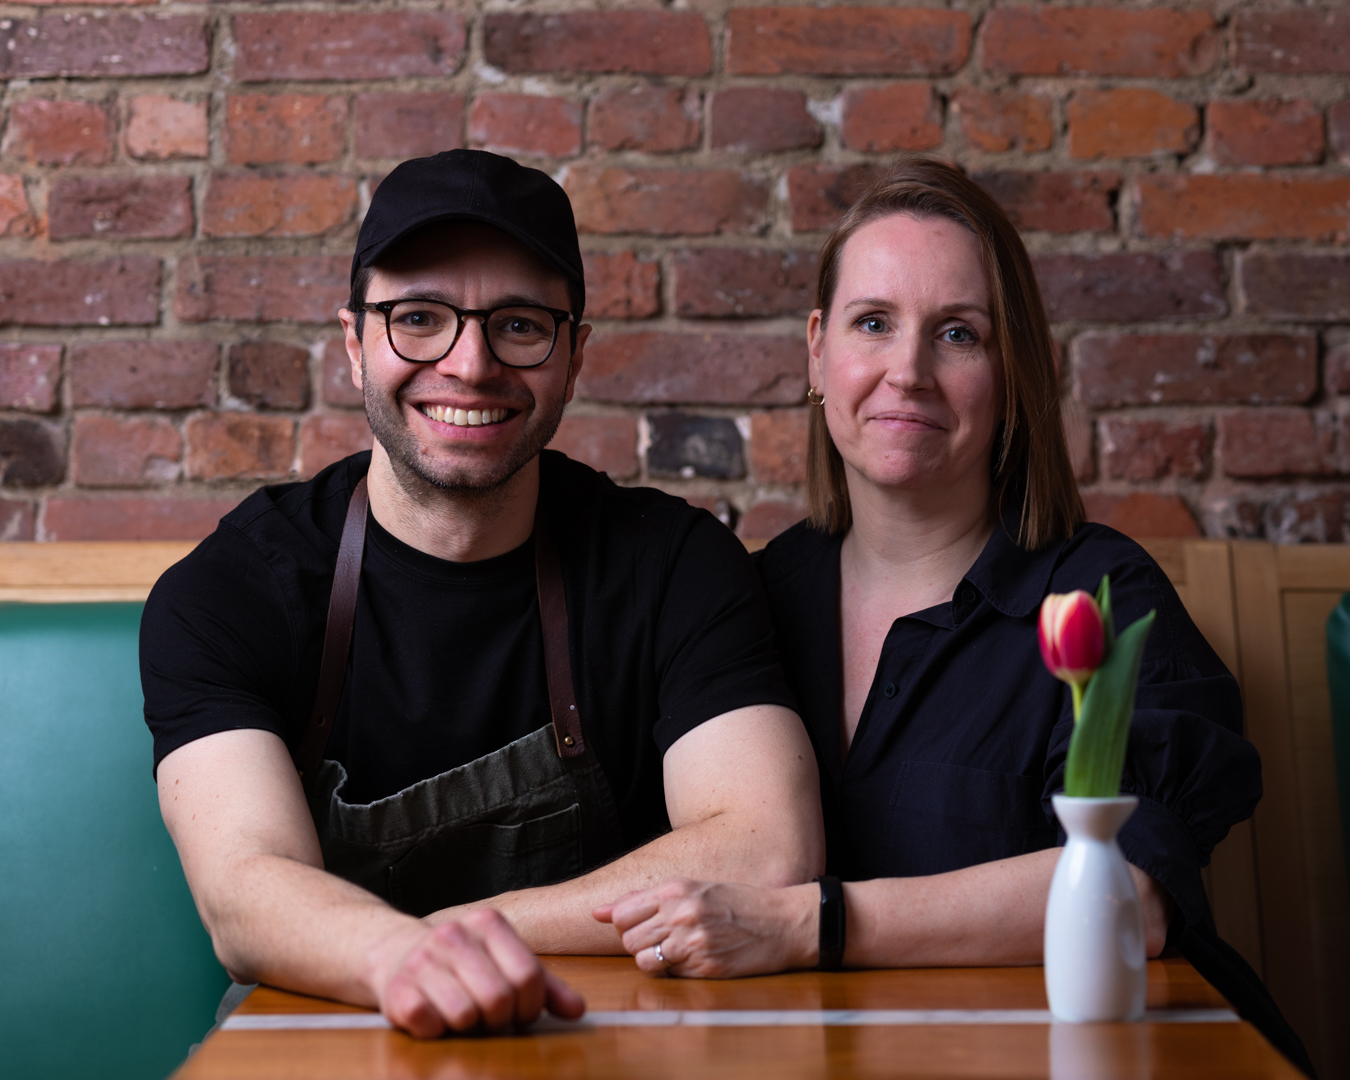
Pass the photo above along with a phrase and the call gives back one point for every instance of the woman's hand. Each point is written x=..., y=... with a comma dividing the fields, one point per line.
x=714, y=931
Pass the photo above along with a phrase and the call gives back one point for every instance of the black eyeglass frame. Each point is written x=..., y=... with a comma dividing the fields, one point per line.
x=386, y=307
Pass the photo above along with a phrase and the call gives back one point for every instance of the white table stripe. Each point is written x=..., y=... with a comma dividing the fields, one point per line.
x=729, y=1018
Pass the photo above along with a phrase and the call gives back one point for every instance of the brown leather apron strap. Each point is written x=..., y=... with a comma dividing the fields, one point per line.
x=337, y=638
x=557, y=656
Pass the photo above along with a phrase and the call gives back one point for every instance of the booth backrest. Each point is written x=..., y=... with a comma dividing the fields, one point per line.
x=105, y=970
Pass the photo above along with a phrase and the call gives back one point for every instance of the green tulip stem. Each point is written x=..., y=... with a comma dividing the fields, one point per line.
x=1077, y=688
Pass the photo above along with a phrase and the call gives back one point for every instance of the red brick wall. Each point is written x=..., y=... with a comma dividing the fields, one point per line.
x=179, y=195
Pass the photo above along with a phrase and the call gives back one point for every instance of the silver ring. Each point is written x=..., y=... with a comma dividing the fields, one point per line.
x=659, y=958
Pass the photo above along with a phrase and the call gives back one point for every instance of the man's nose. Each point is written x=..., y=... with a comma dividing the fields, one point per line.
x=471, y=359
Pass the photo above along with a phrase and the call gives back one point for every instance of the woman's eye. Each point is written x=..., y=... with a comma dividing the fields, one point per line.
x=960, y=335
x=872, y=324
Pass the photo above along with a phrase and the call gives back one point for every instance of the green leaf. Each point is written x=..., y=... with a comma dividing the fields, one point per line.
x=1097, y=747
x=1108, y=623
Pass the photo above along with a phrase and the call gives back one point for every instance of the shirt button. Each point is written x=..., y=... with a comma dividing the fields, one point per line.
x=889, y=689
x=968, y=595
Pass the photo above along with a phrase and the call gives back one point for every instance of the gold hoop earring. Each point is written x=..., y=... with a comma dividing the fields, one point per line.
x=815, y=397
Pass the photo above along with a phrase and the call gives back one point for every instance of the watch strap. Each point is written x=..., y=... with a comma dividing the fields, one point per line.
x=833, y=923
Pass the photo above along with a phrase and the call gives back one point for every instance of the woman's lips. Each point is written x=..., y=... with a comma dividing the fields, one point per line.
x=908, y=422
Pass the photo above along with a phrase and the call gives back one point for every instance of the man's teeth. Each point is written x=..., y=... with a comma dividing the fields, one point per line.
x=464, y=417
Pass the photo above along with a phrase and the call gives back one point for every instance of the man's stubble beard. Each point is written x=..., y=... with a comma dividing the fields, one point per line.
x=421, y=482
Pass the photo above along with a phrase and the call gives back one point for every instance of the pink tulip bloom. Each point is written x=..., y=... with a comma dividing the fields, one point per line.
x=1071, y=636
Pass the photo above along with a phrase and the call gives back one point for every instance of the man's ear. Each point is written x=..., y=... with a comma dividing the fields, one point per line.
x=352, y=343
x=578, y=358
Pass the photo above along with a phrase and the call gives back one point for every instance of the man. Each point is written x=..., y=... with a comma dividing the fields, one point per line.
x=522, y=693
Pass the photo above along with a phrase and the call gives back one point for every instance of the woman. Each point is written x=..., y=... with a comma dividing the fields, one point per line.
x=943, y=510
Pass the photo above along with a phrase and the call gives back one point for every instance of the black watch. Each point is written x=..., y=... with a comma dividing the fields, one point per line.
x=833, y=923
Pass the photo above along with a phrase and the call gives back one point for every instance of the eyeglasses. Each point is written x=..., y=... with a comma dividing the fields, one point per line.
x=424, y=331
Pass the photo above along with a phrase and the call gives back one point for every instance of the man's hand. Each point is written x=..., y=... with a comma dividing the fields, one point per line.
x=470, y=971
x=712, y=931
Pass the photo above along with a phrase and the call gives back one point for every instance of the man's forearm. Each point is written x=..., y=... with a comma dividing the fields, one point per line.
x=725, y=847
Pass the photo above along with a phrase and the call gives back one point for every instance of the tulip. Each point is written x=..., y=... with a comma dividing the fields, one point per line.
x=1072, y=639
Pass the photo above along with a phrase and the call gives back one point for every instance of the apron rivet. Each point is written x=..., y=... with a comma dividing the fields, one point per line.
x=568, y=740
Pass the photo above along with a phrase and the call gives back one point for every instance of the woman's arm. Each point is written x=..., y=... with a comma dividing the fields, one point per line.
x=991, y=914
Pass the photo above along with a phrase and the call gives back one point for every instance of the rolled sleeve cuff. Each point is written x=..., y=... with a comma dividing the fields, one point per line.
x=1157, y=841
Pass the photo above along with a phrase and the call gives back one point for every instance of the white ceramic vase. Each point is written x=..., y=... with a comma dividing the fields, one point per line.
x=1095, y=963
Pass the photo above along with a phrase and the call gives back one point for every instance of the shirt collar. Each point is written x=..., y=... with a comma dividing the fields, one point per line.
x=1012, y=579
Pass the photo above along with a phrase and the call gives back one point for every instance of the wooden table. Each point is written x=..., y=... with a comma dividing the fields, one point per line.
x=974, y=1022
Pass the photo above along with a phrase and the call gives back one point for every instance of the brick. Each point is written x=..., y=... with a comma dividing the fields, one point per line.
x=1000, y=120
x=663, y=202
x=1308, y=517
x=1129, y=287
x=1244, y=207
x=1233, y=516
x=251, y=288
x=239, y=446
x=654, y=119
x=846, y=41
x=1142, y=514
x=306, y=204
x=320, y=46
x=66, y=518
x=1128, y=123
x=143, y=374
x=819, y=194
x=1151, y=42
x=778, y=445
x=1338, y=368
x=768, y=518
x=284, y=129
x=1054, y=201
x=132, y=208
x=103, y=46
x=107, y=292
x=269, y=375
x=16, y=217
x=632, y=42
x=903, y=116
x=32, y=453
x=1151, y=449
x=329, y=437
x=58, y=133
x=1169, y=369
x=1079, y=435
x=1295, y=285
x=605, y=443
x=408, y=125
x=113, y=452
x=16, y=519
x=1301, y=41
x=1338, y=129
x=526, y=124
x=29, y=376
x=1264, y=443
x=746, y=282
x=687, y=445
x=1266, y=132
x=161, y=127
x=695, y=369
x=619, y=285
x=338, y=388
x=761, y=119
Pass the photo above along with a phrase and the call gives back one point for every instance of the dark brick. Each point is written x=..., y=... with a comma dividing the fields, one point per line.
x=695, y=369
x=1294, y=285
x=768, y=518
x=1142, y=514
x=605, y=443
x=338, y=388
x=1265, y=132
x=1126, y=287
x=1164, y=369
x=58, y=132
x=252, y=288
x=320, y=46
x=103, y=46
x=408, y=125
x=656, y=119
x=143, y=374
x=16, y=519
x=1135, y=449
x=1338, y=129
x=1265, y=443
x=1055, y=202
x=1153, y=42
x=686, y=445
x=132, y=518
x=739, y=283
x=284, y=129
x=110, y=292
x=619, y=285
x=1235, y=517
x=140, y=207
x=270, y=374
x=1338, y=367
x=661, y=202
x=1299, y=41
x=29, y=376
x=819, y=194
x=32, y=453
x=636, y=42
x=1308, y=517
x=113, y=452
x=778, y=445
x=762, y=119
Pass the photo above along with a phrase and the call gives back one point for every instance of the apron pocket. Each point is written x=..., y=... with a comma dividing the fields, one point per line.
x=468, y=863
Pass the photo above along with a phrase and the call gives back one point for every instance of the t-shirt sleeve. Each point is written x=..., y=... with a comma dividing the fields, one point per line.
x=216, y=646
x=1193, y=772
x=715, y=647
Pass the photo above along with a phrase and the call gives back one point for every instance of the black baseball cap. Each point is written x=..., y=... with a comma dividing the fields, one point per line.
x=473, y=185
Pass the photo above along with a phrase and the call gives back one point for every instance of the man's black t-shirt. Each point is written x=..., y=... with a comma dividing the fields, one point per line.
x=666, y=622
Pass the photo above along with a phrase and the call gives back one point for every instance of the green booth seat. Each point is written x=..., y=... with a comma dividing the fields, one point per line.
x=105, y=969
x=1338, y=682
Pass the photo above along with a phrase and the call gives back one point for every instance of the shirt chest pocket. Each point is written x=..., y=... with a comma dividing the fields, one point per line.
x=945, y=817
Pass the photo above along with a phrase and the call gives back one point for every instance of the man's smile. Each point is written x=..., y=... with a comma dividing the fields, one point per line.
x=464, y=417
